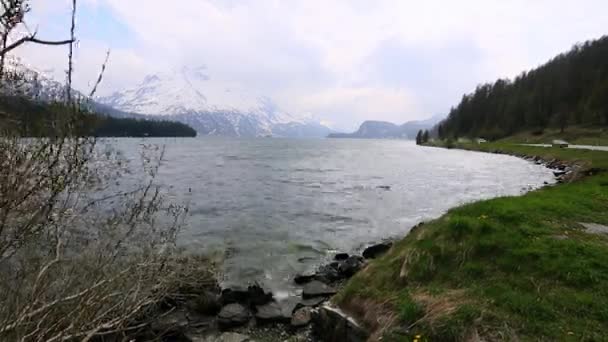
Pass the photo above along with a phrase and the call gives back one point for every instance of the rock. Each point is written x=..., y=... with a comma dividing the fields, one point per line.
x=328, y=273
x=207, y=303
x=271, y=313
x=341, y=256
x=251, y=296
x=350, y=266
x=233, y=315
x=171, y=326
x=559, y=173
x=310, y=302
x=301, y=317
x=257, y=295
x=304, y=278
x=333, y=326
x=375, y=251
x=236, y=294
x=317, y=289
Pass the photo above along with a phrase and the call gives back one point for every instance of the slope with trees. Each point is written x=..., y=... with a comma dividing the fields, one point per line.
x=571, y=89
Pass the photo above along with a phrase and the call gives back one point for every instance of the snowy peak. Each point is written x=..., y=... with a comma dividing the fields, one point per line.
x=212, y=106
x=188, y=89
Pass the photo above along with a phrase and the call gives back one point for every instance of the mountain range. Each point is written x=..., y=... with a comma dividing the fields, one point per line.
x=388, y=130
x=212, y=107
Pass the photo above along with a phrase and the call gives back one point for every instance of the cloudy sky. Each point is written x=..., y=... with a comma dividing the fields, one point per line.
x=344, y=61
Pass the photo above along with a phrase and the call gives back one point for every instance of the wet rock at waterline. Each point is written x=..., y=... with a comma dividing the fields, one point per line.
x=207, y=303
x=271, y=313
x=249, y=296
x=375, y=251
x=341, y=256
x=301, y=317
x=350, y=266
x=333, y=326
x=317, y=289
x=233, y=315
x=301, y=279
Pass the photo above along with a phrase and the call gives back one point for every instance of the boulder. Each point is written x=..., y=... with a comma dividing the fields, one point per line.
x=317, y=289
x=331, y=325
x=301, y=317
x=310, y=302
x=250, y=296
x=257, y=295
x=375, y=251
x=341, y=256
x=235, y=294
x=233, y=315
x=304, y=278
x=328, y=273
x=350, y=266
x=171, y=326
x=207, y=303
x=559, y=173
x=271, y=313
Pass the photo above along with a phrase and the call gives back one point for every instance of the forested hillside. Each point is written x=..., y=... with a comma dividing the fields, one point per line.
x=571, y=89
x=28, y=118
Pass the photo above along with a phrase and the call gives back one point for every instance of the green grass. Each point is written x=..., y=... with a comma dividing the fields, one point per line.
x=512, y=267
x=574, y=135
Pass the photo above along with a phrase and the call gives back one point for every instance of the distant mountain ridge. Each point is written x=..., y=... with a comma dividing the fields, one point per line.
x=191, y=96
x=388, y=130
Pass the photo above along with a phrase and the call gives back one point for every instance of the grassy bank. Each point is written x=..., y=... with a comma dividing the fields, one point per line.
x=503, y=269
x=575, y=135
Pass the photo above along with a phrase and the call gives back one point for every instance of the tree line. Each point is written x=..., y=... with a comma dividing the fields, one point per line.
x=30, y=118
x=570, y=89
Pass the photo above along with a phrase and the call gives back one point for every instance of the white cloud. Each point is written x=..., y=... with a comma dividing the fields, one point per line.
x=344, y=61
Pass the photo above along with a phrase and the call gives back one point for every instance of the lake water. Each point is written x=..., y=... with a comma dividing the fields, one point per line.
x=276, y=207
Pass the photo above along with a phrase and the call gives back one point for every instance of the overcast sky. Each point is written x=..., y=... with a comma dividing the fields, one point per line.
x=342, y=61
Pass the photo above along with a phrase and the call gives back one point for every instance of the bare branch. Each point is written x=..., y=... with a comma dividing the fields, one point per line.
x=33, y=39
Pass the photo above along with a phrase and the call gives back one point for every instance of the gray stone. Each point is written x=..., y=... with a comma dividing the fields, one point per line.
x=341, y=256
x=233, y=315
x=317, y=289
x=594, y=228
x=334, y=326
x=304, y=278
x=312, y=302
x=328, y=274
x=207, y=303
x=350, y=266
x=271, y=313
x=301, y=317
x=375, y=251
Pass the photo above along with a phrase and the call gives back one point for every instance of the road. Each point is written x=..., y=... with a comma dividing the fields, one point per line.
x=581, y=147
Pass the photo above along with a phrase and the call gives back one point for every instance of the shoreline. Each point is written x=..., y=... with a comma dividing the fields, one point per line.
x=567, y=171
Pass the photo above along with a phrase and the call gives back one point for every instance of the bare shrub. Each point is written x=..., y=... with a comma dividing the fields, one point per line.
x=86, y=249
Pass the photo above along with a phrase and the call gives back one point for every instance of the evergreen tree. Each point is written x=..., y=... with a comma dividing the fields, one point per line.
x=419, y=138
x=425, y=137
x=571, y=89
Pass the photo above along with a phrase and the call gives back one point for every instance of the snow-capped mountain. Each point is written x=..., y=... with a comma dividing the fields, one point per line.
x=25, y=80
x=212, y=107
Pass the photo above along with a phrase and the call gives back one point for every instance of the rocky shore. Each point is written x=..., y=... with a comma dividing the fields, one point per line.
x=250, y=313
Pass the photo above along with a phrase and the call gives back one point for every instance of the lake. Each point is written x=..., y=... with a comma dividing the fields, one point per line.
x=277, y=207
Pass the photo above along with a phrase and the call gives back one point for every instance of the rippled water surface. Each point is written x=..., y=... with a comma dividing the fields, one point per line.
x=275, y=207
